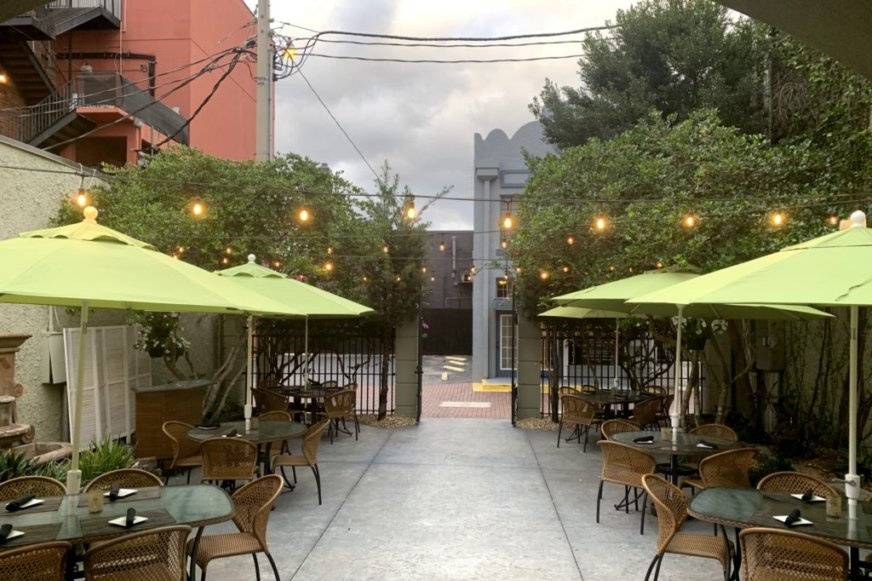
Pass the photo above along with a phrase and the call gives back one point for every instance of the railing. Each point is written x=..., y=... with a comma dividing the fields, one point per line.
x=99, y=89
x=111, y=6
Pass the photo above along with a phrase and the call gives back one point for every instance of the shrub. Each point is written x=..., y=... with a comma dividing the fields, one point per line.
x=104, y=457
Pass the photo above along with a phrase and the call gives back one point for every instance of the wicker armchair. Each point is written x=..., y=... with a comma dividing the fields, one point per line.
x=624, y=465
x=567, y=390
x=796, y=483
x=724, y=470
x=309, y=457
x=577, y=414
x=152, y=555
x=645, y=413
x=252, y=504
x=269, y=401
x=654, y=390
x=719, y=431
x=125, y=478
x=35, y=485
x=44, y=561
x=339, y=407
x=777, y=554
x=665, y=406
x=229, y=460
x=276, y=416
x=612, y=427
x=186, y=452
x=671, y=506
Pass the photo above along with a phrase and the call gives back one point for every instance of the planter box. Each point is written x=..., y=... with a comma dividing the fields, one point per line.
x=180, y=400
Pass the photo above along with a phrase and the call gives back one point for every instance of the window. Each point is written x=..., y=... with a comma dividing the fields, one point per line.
x=505, y=347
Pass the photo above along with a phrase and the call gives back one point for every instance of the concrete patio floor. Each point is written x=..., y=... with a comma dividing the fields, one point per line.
x=458, y=499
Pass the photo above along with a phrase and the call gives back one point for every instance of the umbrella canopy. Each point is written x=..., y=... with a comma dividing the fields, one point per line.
x=612, y=296
x=89, y=266
x=833, y=270
x=581, y=313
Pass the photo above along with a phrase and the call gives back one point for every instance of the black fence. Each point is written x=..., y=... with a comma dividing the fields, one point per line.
x=583, y=353
x=343, y=351
x=447, y=332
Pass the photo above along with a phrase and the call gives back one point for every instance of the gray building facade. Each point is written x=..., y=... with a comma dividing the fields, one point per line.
x=448, y=301
x=500, y=174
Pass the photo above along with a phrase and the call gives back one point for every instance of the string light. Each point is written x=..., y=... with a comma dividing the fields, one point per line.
x=304, y=216
x=833, y=220
x=432, y=279
x=81, y=199
x=570, y=240
x=544, y=275
x=504, y=243
x=611, y=269
x=365, y=279
x=600, y=223
x=328, y=266
x=508, y=222
x=198, y=208
x=225, y=261
x=277, y=264
x=441, y=246
x=228, y=251
x=410, y=212
x=397, y=279
x=565, y=269
x=329, y=250
x=659, y=264
x=689, y=221
x=180, y=249
x=518, y=269
x=423, y=269
x=386, y=248
x=777, y=219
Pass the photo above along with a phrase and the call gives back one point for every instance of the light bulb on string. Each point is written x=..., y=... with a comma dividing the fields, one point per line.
x=198, y=208
x=570, y=240
x=277, y=264
x=504, y=243
x=329, y=250
x=386, y=248
x=397, y=279
x=777, y=219
x=304, y=215
x=544, y=275
x=328, y=266
x=228, y=251
x=225, y=261
x=180, y=249
x=518, y=269
x=424, y=269
x=441, y=246
x=659, y=264
x=689, y=221
x=432, y=279
x=565, y=269
x=82, y=199
x=833, y=220
x=600, y=223
x=365, y=279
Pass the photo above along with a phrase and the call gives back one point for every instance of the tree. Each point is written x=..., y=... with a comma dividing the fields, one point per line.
x=671, y=56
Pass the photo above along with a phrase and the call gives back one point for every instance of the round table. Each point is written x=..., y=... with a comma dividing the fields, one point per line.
x=264, y=434
x=676, y=445
x=614, y=398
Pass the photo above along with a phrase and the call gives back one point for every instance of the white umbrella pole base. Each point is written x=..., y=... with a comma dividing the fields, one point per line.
x=74, y=481
x=852, y=486
x=676, y=422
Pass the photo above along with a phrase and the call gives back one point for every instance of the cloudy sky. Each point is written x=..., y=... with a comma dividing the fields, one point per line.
x=421, y=117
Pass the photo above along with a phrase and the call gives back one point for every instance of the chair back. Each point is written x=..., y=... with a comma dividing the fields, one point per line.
x=671, y=506
x=566, y=390
x=125, y=478
x=228, y=459
x=796, y=483
x=152, y=555
x=719, y=431
x=655, y=390
x=666, y=404
x=645, y=412
x=275, y=416
x=43, y=561
x=311, y=440
x=587, y=389
x=252, y=504
x=340, y=404
x=35, y=485
x=182, y=445
x=769, y=553
x=577, y=411
x=624, y=464
x=728, y=469
x=612, y=427
x=269, y=401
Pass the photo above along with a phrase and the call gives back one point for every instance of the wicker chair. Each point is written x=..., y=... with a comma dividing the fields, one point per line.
x=624, y=465
x=567, y=390
x=796, y=483
x=309, y=457
x=342, y=406
x=671, y=506
x=229, y=460
x=276, y=416
x=780, y=555
x=186, y=452
x=151, y=555
x=655, y=390
x=252, y=504
x=44, y=561
x=269, y=401
x=35, y=485
x=727, y=469
x=577, y=414
x=612, y=427
x=645, y=413
x=125, y=478
x=665, y=406
x=719, y=431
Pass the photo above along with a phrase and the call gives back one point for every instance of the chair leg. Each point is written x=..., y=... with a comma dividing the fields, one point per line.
x=627, y=499
x=586, y=433
x=294, y=472
x=644, y=506
x=356, y=427
x=273, y=565
x=657, y=569
x=287, y=482
x=654, y=561
x=317, y=474
x=599, y=497
x=256, y=567
x=330, y=431
x=559, y=432
x=189, y=475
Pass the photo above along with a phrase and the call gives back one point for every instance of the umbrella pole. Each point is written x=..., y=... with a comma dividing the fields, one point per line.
x=675, y=416
x=852, y=479
x=248, y=372
x=306, y=353
x=617, y=354
x=74, y=475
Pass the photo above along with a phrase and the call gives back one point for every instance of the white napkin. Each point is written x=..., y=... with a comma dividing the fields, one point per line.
x=14, y=535
x=32, y=502
x=121, y=521
x=123, y=492
x=800, y=523
x=706, y=446
x=814, y=498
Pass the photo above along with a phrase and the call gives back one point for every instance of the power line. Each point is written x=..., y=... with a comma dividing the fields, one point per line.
x=341, y=128
x=576, y=31
x=438, y=45
x=446, y=61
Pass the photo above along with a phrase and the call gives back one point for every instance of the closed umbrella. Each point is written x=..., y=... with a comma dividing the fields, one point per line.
x=300, y=299
x=833, y=270
x=89, y=266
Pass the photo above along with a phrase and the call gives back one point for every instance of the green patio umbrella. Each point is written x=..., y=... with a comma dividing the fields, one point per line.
x=87, y=265
x=300, y=299
x=617, y=296
x=834, y=270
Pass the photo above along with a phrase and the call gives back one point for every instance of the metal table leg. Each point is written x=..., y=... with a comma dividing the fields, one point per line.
x=193, y=568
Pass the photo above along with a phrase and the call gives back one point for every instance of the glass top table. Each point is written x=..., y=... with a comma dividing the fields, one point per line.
x=675, y=445
x=260, y=432
x=606, y=397
x=193, y=505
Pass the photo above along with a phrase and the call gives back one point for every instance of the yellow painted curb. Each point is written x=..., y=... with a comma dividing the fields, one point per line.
x=492, y=387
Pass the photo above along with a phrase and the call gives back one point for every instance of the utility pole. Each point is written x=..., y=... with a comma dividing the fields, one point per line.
x=264, y=79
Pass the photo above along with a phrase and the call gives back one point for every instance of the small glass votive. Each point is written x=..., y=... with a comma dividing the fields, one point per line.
x=95, y=500
x=834, y=506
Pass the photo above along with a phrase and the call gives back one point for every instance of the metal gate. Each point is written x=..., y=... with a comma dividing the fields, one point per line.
x=359, y=352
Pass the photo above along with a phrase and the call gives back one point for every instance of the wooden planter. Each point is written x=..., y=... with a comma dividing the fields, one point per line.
x=181, y=401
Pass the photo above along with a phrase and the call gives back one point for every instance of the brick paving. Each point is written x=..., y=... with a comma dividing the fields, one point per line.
x=458, y=400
